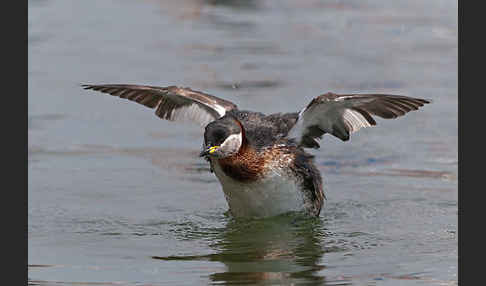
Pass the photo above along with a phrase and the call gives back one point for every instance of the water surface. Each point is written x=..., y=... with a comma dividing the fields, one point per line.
x=120, y=197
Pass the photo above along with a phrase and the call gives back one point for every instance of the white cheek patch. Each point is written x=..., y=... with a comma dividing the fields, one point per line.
x=232, y=144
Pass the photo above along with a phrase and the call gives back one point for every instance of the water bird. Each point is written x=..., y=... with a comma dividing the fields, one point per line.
x=260, y=160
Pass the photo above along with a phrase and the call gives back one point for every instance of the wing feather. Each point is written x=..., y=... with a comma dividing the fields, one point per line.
x=341, y=115
x=172, y=102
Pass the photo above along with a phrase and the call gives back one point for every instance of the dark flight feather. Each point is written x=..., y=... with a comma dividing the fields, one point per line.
x=340, y=115
x=172, y=102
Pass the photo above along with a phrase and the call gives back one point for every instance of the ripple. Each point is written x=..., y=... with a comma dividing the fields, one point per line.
x=445, y=175
x=248, y=84
x=337, y=164
x=39, y=121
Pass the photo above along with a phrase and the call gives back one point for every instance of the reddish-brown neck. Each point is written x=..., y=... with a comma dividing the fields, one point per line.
x=246, y=165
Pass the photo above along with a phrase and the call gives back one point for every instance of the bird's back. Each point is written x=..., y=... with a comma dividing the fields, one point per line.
x=265, y=130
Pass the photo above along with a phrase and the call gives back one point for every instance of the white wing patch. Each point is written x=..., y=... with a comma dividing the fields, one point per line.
x=219, y=109
x=214, y=105
x=354, y=120
x=323, y=117
x=192, y=112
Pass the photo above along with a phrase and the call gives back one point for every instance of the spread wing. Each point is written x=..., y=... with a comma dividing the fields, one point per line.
x=343, y=114
x=172, y=102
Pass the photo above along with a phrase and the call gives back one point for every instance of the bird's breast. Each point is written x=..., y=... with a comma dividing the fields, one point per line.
x=269, y=190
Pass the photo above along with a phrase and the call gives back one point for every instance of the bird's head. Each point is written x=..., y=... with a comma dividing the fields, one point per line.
x=222, y=138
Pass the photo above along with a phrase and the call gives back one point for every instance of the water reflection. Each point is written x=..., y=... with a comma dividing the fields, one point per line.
x=284, y=249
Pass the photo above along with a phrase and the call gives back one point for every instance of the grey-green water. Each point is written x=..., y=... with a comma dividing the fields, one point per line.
x=120, y=197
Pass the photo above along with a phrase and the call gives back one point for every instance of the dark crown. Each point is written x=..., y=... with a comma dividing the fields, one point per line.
x=217, y=131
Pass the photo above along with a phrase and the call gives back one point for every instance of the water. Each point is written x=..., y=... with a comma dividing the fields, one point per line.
x=120, y=197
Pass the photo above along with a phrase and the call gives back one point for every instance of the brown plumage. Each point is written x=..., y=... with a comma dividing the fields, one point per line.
x=244, y=166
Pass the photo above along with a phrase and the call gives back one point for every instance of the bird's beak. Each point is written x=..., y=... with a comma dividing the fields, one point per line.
x=208, y=151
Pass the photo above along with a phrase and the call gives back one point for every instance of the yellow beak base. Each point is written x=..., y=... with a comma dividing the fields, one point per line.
x=212, y=149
